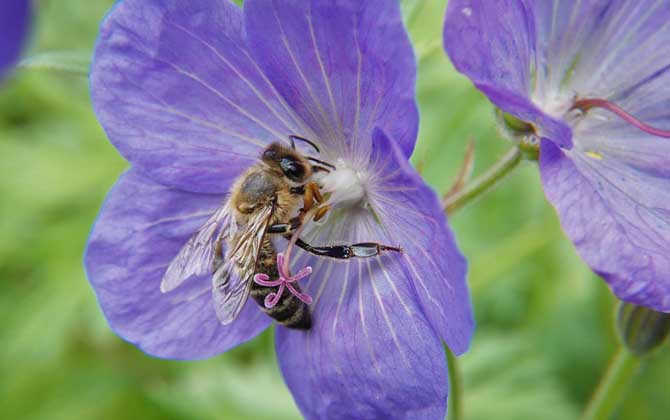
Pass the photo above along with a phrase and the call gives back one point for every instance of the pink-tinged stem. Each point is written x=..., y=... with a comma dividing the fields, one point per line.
x=586, y=104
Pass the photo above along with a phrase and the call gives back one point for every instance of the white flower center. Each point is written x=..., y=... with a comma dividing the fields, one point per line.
x=557, y=105
x=345, y=185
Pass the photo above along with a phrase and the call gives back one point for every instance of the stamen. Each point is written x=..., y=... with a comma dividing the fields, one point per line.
x=284, y=282
x=586, y=104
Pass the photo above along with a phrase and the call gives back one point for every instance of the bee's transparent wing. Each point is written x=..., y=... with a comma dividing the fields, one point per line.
x=198, y=256
x=232, y=281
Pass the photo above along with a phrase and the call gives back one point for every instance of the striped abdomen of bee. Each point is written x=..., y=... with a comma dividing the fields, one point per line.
x=289, y=311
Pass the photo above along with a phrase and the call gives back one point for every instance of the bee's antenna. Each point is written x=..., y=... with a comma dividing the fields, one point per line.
x=293, y=137
x=330, y=165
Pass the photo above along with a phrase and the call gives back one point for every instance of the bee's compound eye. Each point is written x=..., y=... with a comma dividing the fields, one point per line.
x=293, y=169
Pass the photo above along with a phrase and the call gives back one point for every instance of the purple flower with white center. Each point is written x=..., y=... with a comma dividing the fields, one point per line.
x=191, y=92
x=592, y=80
x=14, y=15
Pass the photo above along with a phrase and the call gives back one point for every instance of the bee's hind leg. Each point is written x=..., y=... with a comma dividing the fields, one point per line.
x=344, y=252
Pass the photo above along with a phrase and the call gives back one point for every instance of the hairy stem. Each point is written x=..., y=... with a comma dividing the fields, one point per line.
x=483, y=182
x=456, y=388
x=612, y=386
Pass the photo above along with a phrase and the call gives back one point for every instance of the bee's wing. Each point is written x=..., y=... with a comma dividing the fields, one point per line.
x=232, y=281
x=198, y=256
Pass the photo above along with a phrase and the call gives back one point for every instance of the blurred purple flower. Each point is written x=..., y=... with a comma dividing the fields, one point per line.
x=14, y=16
x=593, y=80
x=190, y=92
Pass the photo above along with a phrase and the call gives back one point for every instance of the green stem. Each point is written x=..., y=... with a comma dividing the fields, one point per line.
x=483, y=182
x=456, y=388
x=70, y=62
x=612, y=386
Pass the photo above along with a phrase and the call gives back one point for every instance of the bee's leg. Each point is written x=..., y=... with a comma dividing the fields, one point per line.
x=308, y=198
x=344, y=252
x=312, y=195
x=321, y=212
x=299, y=190
x=316, y=191
x=285, y=228
x=313, y=189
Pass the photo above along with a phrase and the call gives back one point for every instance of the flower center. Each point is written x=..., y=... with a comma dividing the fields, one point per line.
x=345, y=185
x=571, y=111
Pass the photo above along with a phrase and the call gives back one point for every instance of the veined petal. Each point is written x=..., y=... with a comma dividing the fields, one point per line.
x=179, y=95
x=141, y=228
x=14, y=16
x=602, y=134
x=345, y=67
x=412, y=218
x=377, y=321
x=562, y=30
x=493, y=43
x=616, y=50
x=617, y=213
x=370, y=346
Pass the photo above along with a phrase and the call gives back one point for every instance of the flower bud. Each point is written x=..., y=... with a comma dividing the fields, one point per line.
x=642, y=329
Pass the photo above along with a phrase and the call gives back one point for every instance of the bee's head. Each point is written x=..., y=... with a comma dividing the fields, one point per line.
x=288, y=161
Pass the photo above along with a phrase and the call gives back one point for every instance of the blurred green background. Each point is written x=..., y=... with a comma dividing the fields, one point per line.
x=544, y=333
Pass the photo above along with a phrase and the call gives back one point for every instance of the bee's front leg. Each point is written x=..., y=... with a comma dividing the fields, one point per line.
x=299, y=190
x=312, y=196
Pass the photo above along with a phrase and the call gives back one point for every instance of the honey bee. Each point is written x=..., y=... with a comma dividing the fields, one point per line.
x=262, y=203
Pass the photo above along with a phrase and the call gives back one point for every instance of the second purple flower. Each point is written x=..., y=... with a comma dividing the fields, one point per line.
x=590, y=81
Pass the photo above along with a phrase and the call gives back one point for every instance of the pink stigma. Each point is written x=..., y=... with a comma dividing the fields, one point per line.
x=586, y=104
x=284, y=282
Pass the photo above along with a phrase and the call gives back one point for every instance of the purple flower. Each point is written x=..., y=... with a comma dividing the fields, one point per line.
x=592, y=79
x=191, y=92
x=14, y=16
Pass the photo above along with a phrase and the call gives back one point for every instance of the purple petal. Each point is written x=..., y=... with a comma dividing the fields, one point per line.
x=411, y=213
x=345, y=67
x=374, y=349
x=371, y=352
x=180, y=96
x=493, y=43
x=601, y=49
x=617, y=213
x=14, y=16
x=140, y=229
